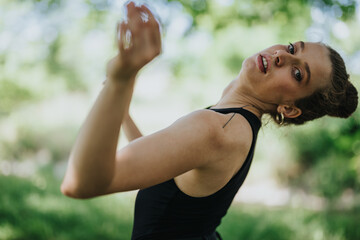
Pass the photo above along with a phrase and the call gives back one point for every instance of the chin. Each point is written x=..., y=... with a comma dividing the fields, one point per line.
x=249, y=67
x=249, y=75
x=249, y=63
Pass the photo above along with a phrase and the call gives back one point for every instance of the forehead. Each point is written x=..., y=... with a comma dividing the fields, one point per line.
x=318, y=59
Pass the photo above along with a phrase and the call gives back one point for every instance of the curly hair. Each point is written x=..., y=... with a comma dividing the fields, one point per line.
x=339, y=99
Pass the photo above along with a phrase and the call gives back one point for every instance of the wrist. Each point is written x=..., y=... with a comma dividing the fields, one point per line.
x=120, y=82
x=121, y=73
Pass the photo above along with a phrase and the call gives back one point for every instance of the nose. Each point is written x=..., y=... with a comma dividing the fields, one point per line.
x=281, y=57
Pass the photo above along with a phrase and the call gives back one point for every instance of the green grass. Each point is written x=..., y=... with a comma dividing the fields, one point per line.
x=259, y=222
x=35, y=209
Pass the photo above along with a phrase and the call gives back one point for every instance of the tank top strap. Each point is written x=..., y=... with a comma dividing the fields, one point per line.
x=253, y=120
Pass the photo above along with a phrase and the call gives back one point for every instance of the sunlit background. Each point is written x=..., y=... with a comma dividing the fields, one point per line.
x=304, y=182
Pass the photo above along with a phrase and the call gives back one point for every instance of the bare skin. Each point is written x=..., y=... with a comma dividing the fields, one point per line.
x=195, y=150
x=130, y=129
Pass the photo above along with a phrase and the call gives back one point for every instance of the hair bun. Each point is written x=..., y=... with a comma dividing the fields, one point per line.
x=349, y=103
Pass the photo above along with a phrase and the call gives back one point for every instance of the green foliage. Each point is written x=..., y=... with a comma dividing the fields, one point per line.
x=59, y=68
x=340, y=222
x=12, y=95
x=256, y=222
x=327, y=157
x=31, y=141
x=36, y=210
x=261, y=11
x=242, y=224
x=347, y=8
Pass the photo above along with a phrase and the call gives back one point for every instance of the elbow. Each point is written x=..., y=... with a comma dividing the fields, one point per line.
x=71, y=191
x=67, y=191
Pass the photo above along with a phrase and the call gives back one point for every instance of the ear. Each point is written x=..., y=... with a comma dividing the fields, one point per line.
x=289, y=111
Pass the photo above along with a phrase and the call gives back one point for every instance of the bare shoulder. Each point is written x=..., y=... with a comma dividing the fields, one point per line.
x=205, y=122
x=236, y=134
x=203, y=116
x=239, y=131
x=236, y=137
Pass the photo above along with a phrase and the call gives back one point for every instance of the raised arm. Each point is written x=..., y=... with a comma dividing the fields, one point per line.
x=95, y=168
x=92, y=160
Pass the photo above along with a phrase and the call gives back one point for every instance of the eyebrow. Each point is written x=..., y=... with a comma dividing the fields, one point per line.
x=302, y=46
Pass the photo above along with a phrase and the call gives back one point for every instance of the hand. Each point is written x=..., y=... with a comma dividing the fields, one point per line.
x=138, y=41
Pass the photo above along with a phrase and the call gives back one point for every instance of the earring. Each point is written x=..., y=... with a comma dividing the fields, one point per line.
x=280, y=118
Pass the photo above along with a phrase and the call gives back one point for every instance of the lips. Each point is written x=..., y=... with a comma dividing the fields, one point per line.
x=263, y=63
x=260, y=64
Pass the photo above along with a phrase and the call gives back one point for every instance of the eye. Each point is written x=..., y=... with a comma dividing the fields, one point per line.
x=291, y=48
x=297, y=75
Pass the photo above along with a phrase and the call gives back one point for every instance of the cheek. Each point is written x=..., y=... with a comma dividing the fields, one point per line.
x=286, y=86
x=290, y=92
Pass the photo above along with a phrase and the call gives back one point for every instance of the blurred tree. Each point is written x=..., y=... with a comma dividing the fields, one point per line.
x=252, y=12
x=45, y=26
x=12, y=95
x=327, y=160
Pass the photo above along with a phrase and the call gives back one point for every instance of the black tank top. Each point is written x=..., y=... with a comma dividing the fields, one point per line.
x=163, y=211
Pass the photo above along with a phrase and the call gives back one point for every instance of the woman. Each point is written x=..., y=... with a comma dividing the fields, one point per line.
x=190, y=172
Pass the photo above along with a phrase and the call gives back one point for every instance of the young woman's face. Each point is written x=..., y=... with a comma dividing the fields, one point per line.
x=284, y=73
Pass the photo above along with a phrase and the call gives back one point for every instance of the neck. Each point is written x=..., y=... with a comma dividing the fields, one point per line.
x=234, y=97
x=229, y=102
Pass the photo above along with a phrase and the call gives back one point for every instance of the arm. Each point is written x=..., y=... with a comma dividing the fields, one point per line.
x=192, y=142
x=92, y=160
x=131, y=130
x=90, y=166
x=95, y=168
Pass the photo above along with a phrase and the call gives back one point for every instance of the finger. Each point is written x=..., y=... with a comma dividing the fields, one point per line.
x=149, y=48
x=137, y=39
x=131, y=9
x=147, y=44
x=153, y=22
x=154, y=36
x=120, y=31
x=146, y=14
x=134, y=17
x=118, y=34
x=125, y=38
x=151, y=37
x=130, y=6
